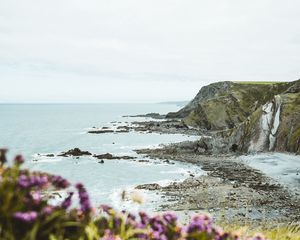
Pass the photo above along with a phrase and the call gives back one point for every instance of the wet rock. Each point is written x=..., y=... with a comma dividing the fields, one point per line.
x=122, y=131
x=151, y=186
x=112, y=157
x=100, y=131
x=149, y=115
x=143, y=161
x=75, y=152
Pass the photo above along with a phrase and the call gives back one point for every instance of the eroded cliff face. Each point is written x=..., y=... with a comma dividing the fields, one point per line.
x=249, y=117
x=225, y=105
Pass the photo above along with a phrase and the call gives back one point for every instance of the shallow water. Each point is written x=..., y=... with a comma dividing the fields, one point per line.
x=285, y=168
x=53, y=128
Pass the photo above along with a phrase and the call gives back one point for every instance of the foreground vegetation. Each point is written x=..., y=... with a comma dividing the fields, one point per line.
x=26, y=213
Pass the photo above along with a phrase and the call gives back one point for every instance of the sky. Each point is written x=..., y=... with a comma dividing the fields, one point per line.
x=142, y=50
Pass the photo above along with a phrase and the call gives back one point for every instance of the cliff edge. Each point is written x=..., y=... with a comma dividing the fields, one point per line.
x=247, y=116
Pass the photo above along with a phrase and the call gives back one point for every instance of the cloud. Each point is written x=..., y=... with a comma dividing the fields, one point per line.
x=132, y=45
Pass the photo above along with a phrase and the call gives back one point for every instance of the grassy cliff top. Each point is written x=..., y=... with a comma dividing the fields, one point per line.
x=258, y=82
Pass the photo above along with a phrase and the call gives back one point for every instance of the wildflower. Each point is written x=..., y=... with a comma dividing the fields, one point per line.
x=83, y=198
x=32, y=181
x=30, y=216
x=170, y=218
x=68, y=201
x=23, y=181
x=258, y=237
x=158, y=227
x=36, y=197
x=107, y=209
x=200, y=224
x=144, y=218
x=47, y=210
x=19, y=160
x=158, y=236
x=59, y=182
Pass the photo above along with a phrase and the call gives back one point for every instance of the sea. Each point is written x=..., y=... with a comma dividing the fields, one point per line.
x=35, y=130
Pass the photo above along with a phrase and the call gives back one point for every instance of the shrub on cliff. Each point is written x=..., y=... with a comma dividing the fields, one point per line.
x=26, y=213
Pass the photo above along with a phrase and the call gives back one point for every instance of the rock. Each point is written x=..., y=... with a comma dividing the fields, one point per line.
x=150, y=186
x=104, y=156
x=143, y=161
x=75, y=152
x=245, y=117
x=101, y=161
x=100, y=131
x=124, y=128
x=122, y=131
x=149, y=115
x=201, y=150
x=50, y=155
x=112, y=157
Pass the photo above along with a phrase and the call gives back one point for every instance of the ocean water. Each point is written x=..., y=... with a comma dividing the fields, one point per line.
x=282, y=167
x=36, y=129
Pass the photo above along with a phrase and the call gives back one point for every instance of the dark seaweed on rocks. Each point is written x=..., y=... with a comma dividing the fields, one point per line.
x=75, y=152
x=109, y=156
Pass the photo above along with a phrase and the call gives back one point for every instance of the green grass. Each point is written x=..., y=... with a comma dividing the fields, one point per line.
x=258, y=82
x=275, y=232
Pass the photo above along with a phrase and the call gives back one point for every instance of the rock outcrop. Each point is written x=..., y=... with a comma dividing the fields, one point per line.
x=247, y=117
x=109, y=156
x=76, y=152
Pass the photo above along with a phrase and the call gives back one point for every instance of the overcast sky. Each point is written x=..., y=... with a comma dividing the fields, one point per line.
x=142, y=50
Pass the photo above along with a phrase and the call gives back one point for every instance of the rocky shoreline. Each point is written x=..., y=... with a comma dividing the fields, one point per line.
x=230, y=190
x=172, y=126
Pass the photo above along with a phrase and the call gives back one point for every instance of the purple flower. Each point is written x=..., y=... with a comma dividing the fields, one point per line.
x=170, y=218
x=144, y=218
x=36, y=197
x=83, y=198
x=59, y=182
x=68, y=201
x=32, y=181
x=158, y=227
x=19, y=160
x=23, y=181
x=47, y=210
x=200, y=223
x=106, y=208
x=258, y=237
x=79, y=186
x=30, y=216
x=158, y=236
x=142, y=236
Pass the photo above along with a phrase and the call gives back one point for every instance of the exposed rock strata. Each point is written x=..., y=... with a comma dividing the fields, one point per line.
x=247, y=117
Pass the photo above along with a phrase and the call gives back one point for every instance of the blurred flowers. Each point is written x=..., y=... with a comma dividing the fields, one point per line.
x=25, y=211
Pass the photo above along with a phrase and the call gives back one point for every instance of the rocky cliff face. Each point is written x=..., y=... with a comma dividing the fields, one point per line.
x=248, y=117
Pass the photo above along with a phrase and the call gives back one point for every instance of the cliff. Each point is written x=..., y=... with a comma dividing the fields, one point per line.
x=248, y=117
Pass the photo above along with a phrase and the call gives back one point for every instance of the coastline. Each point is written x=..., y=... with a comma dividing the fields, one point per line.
x=231, y=190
